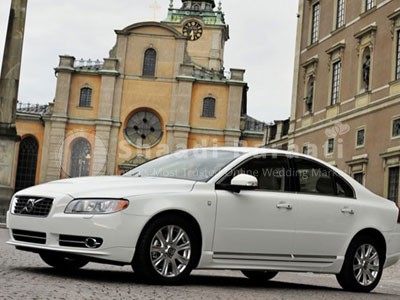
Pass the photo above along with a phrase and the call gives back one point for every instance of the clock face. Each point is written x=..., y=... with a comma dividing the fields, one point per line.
x=192, y=30
x=144, y=129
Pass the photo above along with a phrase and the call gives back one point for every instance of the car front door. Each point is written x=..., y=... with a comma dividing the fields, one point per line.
x=256, y=225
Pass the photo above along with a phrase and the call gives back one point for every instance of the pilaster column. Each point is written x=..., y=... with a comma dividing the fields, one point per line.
x=109, y=75
x=64, y=74
x=55, y=150
x=53, y=155
x=233, y=120
x=178, y=127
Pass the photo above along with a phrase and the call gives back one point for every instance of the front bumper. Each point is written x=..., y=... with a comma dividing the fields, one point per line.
x=119, y=232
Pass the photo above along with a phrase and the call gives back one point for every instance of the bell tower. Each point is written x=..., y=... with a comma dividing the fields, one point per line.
x=204, y=26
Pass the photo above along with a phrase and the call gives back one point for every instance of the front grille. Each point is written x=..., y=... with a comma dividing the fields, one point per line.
x=32, y=206
x=29, y=236
x=80, y=241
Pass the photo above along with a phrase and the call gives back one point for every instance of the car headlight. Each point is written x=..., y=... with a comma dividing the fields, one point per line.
x=96, y=206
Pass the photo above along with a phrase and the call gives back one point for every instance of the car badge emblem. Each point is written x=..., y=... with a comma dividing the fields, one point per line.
x=30, y=205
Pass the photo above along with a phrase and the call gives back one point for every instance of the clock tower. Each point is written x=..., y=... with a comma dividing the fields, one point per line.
x=204, y=26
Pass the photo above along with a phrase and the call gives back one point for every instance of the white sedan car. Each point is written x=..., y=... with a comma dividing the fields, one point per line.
x=256, y=210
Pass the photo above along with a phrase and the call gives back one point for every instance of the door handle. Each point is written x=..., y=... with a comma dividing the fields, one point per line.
x=284, y=205
x=347, y=210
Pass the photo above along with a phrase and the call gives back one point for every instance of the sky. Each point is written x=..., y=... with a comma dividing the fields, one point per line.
x=262, y=41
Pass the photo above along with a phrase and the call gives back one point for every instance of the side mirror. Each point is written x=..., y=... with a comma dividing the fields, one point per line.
x=239, y=183
x=244, y=181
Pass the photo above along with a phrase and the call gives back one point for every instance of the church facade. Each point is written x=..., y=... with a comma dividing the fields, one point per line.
x=162, y=88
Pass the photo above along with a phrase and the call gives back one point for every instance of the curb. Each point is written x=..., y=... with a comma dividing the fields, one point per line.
x=2, y=225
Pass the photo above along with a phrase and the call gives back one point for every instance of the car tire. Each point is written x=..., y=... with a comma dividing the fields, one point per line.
x=259, y=276
x=363, y=265
x=167, y=251
x=63, y=261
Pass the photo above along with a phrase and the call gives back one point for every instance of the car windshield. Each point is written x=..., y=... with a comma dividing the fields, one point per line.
x=196, y=165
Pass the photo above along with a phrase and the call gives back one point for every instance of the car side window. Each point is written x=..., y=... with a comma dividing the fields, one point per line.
x=343, y=188
x=313, y=178
x=270, y=171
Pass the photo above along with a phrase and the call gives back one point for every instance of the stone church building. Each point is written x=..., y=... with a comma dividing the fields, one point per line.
x=162, y=88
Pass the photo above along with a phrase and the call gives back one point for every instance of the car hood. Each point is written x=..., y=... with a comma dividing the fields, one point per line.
x=109, y=187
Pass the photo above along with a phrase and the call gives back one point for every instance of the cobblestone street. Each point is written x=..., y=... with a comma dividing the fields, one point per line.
x=24, y=276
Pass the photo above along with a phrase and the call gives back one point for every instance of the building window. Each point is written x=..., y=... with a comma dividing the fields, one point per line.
x=340, y=13
x=144, y=129
x=393, y=188
x=359, y=177
x=315, y=23
x=369, y=4
x=336, y=69
x=398, y=56
x=208, y=107
x=330, y=146
x=85, y=98
x=196, y=6
x=80, y=158
x=360, y=138
x=27, y=163
x=396, y=128
x=149, y=62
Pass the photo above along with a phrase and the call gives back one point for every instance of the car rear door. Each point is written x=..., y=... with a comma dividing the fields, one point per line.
x=326, y=211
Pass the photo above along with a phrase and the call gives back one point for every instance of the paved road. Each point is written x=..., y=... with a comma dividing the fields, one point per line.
x=24, y=276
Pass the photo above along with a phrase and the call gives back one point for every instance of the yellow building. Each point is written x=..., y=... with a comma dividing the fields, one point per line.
x=162, y=88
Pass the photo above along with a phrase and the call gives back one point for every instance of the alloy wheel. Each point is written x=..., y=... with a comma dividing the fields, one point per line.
x=170, y=251
x=366, y=264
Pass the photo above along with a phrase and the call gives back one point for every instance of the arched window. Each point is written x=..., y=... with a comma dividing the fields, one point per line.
x=208, y=107
x=80, y=158
x=27, y=163
x=85, y=99
x=149, y=62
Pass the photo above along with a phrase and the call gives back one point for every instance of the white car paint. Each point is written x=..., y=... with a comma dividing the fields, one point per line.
x=282, y=231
